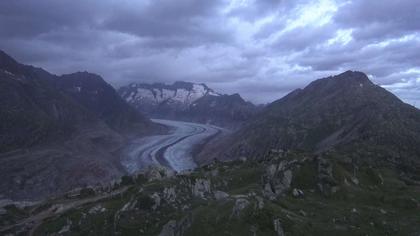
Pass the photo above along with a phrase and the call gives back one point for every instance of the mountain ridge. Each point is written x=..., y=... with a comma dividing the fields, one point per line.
x=187, y=101
x=57, y=133
x=343, y=113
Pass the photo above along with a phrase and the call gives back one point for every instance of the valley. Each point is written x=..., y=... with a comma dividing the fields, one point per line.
x=78, y=157
x=173, y=150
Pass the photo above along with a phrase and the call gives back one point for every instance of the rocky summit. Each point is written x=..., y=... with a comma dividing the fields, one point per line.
x=344, y=114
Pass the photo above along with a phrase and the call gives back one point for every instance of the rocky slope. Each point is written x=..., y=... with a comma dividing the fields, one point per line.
x=346, y=113
x=188, y=102
x=320, y=161
x=100, y=98
x=287, y=194
x=224, y=110
x=57, y=133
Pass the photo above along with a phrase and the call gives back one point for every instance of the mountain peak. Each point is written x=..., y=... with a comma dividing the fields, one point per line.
x=354, y=76
x=179, y=93
x=84, y=76
x=344, y=111
x=9, y=64
x=349, y=83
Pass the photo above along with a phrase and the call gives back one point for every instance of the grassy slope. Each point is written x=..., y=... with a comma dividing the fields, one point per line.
x=380, y=204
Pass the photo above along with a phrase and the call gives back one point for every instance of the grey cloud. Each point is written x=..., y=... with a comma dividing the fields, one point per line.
x=33, y=18
x=165, y=40
x=301, y=38
x=164, y=20
x=380, y=19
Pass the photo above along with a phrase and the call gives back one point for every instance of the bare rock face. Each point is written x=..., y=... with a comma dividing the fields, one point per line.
x=276, y=180
x=201, y=188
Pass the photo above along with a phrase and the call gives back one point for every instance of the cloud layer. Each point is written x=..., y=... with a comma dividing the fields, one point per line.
x=262, y=49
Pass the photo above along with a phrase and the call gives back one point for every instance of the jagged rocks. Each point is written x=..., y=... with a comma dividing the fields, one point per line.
x=201, y=188
x=277, y=179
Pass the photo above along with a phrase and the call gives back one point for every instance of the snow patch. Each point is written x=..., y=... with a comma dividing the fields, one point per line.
x=181, y=96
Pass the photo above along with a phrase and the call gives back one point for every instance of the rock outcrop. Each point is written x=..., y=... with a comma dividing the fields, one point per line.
x=277, y=179
x=326, y=182
x=201, y=188
x=176, y=228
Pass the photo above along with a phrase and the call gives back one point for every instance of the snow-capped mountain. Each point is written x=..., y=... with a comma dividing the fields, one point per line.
x=187, y=101
x=149, y=96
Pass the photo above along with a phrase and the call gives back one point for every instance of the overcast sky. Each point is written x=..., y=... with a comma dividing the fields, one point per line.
x=261, y=49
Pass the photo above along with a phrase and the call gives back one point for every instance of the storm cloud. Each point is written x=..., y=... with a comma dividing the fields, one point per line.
x=262, y=49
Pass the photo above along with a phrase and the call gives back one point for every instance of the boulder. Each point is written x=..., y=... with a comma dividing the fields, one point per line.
x=276, y=180
x=260, y=202
x=326, y=181
x=169, y=194
x=297, y=193
x=158, y=173
x=156, y=198
x=219, y=195
x=201, y=188
x=176, y=228
x=168, y=229
x=278, y=227
x=240, y=204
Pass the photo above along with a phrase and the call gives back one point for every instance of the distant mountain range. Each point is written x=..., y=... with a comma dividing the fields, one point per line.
x=345, y=114
x=60, y=132
x=189, y=102
x=340, y=156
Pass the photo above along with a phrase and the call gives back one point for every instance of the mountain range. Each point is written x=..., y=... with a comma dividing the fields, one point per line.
x=60, y=132
x=189, y=102
x=338, y=157
x=344, y=114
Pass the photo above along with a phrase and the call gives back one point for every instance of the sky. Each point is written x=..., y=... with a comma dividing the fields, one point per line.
x=262, y=49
